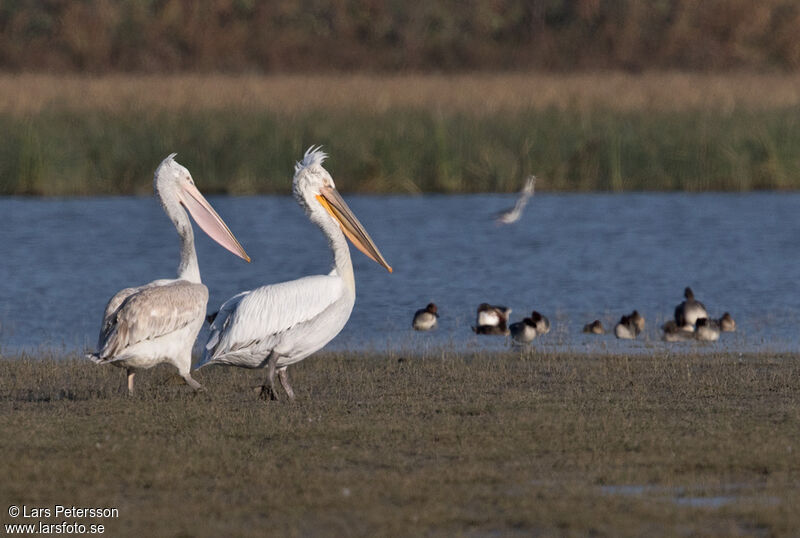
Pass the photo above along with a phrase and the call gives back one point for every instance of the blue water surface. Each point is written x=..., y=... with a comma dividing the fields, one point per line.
x=573, y=257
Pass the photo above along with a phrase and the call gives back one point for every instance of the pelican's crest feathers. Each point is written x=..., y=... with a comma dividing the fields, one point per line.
x=312, y=157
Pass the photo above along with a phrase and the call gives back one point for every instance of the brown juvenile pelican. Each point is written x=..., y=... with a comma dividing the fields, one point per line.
x=595, y=327
x=629, y=326
x=726, y=323
x=707, y=330
x=689, y=310
x=425, y=318
x=523, y=332
x=159, y=322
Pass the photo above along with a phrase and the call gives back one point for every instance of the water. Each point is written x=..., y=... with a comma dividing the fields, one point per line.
x=573, y=257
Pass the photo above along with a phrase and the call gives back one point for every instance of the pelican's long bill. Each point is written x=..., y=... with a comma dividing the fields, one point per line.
x=332, y=201
x=209, y=221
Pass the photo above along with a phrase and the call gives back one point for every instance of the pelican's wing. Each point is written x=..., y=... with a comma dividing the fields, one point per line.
x=254, y=321
x=109, y=316
x=149, y=312
x=222, y=318
x=512, y=215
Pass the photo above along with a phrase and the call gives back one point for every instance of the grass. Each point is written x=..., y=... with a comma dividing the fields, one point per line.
x=446, y=444
x=403, y=134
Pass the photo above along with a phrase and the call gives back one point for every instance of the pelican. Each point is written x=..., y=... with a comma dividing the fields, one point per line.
x=523, y=332
x=512, y=215
x=595, y=327
x=158, y=322
x=425, y=319
x=688, y=312
x=278, y=325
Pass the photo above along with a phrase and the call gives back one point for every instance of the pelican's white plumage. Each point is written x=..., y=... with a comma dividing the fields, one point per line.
x=281, y=324
x=509, y=216
x=159, y=321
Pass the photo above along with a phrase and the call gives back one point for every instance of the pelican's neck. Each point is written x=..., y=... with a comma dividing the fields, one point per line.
x=188, y=268
x=342, y=262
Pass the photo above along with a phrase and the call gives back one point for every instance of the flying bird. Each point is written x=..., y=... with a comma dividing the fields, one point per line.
x=278, y=325
x=512, y=215
x=158, y=322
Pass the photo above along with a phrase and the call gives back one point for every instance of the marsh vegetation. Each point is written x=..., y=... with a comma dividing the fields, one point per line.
x=403, y=134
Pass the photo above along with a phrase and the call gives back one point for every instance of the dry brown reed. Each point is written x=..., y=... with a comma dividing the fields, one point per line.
x=27, y=94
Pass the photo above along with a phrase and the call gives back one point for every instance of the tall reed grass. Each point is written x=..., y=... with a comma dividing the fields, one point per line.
x=403, y=150
x=67, y=136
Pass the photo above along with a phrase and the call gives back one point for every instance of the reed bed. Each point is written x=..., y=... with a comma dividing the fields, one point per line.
x=477, y=93
x=437, y=444
x=403, y=134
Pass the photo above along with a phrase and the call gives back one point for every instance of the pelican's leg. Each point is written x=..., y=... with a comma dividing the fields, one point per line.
x=131, y=373
x=284, y=377
x=191, y=382
x=268, y=388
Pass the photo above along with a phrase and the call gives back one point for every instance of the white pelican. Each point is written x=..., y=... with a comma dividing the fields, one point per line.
x=523, y=332
x=629, y=326
x=425, y=319
x=595, y=327
x=159, y=322
x=726, y=323
x=281, y=324
x=707, y=330
x=690, y=310
x=512, y=215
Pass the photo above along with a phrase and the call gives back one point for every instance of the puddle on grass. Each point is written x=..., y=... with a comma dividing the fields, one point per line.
x=683, y=496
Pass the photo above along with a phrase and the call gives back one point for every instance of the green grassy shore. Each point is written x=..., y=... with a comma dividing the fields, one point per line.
x=403, y=134
x=446, y=444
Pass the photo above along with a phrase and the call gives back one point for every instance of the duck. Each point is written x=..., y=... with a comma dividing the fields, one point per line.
x=500, y=330
x=492, y=314
x=629, y=327
x=595, y=327
x=523, y=332
x=426, y=318
x=542, y=323
x=727, y=323
x=707, y=330
x=675, y=333
x=690, y=310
